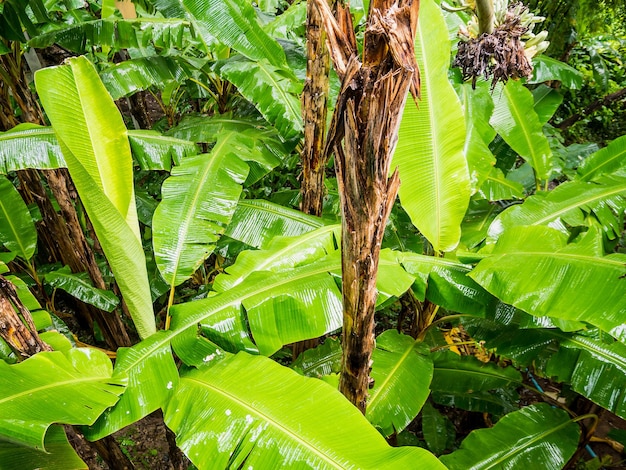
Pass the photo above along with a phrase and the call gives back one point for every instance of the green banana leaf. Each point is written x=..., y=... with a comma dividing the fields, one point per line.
x=152, y=380
x=435, y=188
x=154, y=151
x=95, y=145
x=29, y=146
x=261, y=421
x=234, y=23
x=72, y=387
x=80, y=286
x=257, y=222
x=547, y=101
x=318, y=362
x=608, y=160
x=516, y=120
x=402, y=372
x=478, y=107
x=264, y=150
x=535, y=435
x=546, y=69
x=477, y=221
x=467, y=375
x=162, y=33
x=199, y=199
x=497, y=402
x=439, y=432
x=130, y=76
x=17, y=229
x=534, y=269
x=567, y=206
x=272, y=89
x=59, y=454
x=496, y=187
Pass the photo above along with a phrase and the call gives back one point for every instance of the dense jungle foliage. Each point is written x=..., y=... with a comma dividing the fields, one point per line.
x=163, y=256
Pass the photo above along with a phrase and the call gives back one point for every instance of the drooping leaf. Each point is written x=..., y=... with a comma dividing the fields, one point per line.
x=81, y=288
x=534, y=269
x=537, y=433
x=547, y=101
x=59, y=454
x=152, y=379
x=546, y=68
x=263, y=421
x=95, y=145
x=322, y=360
x=72, y=387
x=515, y=119
x=566, y=205
x=256, y=222
x=435, y=186
x=610, y=159
x=199, y=199
x=29, y=146
x=402, y=372
x=17, y=229
x=155, y=151
x=273, y=90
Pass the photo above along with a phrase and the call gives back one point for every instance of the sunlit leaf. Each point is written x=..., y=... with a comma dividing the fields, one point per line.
x=155, y=151
x=610, y=159
x=322, y=360
x=17, y=229
x=29, y=146
x=262, y=421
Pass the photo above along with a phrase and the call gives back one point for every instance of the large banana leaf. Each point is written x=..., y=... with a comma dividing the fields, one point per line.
x=29, y=146
x=402, y=372
x=155, y=151
x=264, y=149
x=567, y=206
x=72, y=387
x=59, y=454
x=17, y=229
x=257, y=222
x=199, y=199
x=273, y=90
x=435, y=186
x=610, y=159
x=250, y=413
x=547, y=101
x=478, y=106
x=535, y=435
x=152, y=379
x=80, y=286
x=534, y=269
x=94, y=142
x=163, y=33
x=515, y=119
x=234, y=23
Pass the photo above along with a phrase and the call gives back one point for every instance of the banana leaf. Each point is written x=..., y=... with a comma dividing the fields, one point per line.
x=29, y=146
x=320, y=361
x=17, y=229
x=435, y=188
x=467, y=375
x=546, y=69
x=59, y=454
x=535, y=434
x=567, y=206
x=478, y=218
x=257, y=222
x=80, y=286
x=154, y=151
x=199, y=199
x=547, y=101
x=72, y=387
x=496, y=187
x=608, y=160
x=234, y=23
x=152, y=378
x=478, y=107
x=515, y=119
x=256, y=418
x=438, y=430
x=163, y=33
x=95, y=146
x=402, y=372
x=273, y=90
x=534, y=269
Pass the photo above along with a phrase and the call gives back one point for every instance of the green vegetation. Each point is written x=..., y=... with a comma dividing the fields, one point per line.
x=153, y=255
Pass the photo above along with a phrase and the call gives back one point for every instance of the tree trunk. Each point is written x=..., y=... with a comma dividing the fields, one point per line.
x=363, y=134
x=314, y=112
